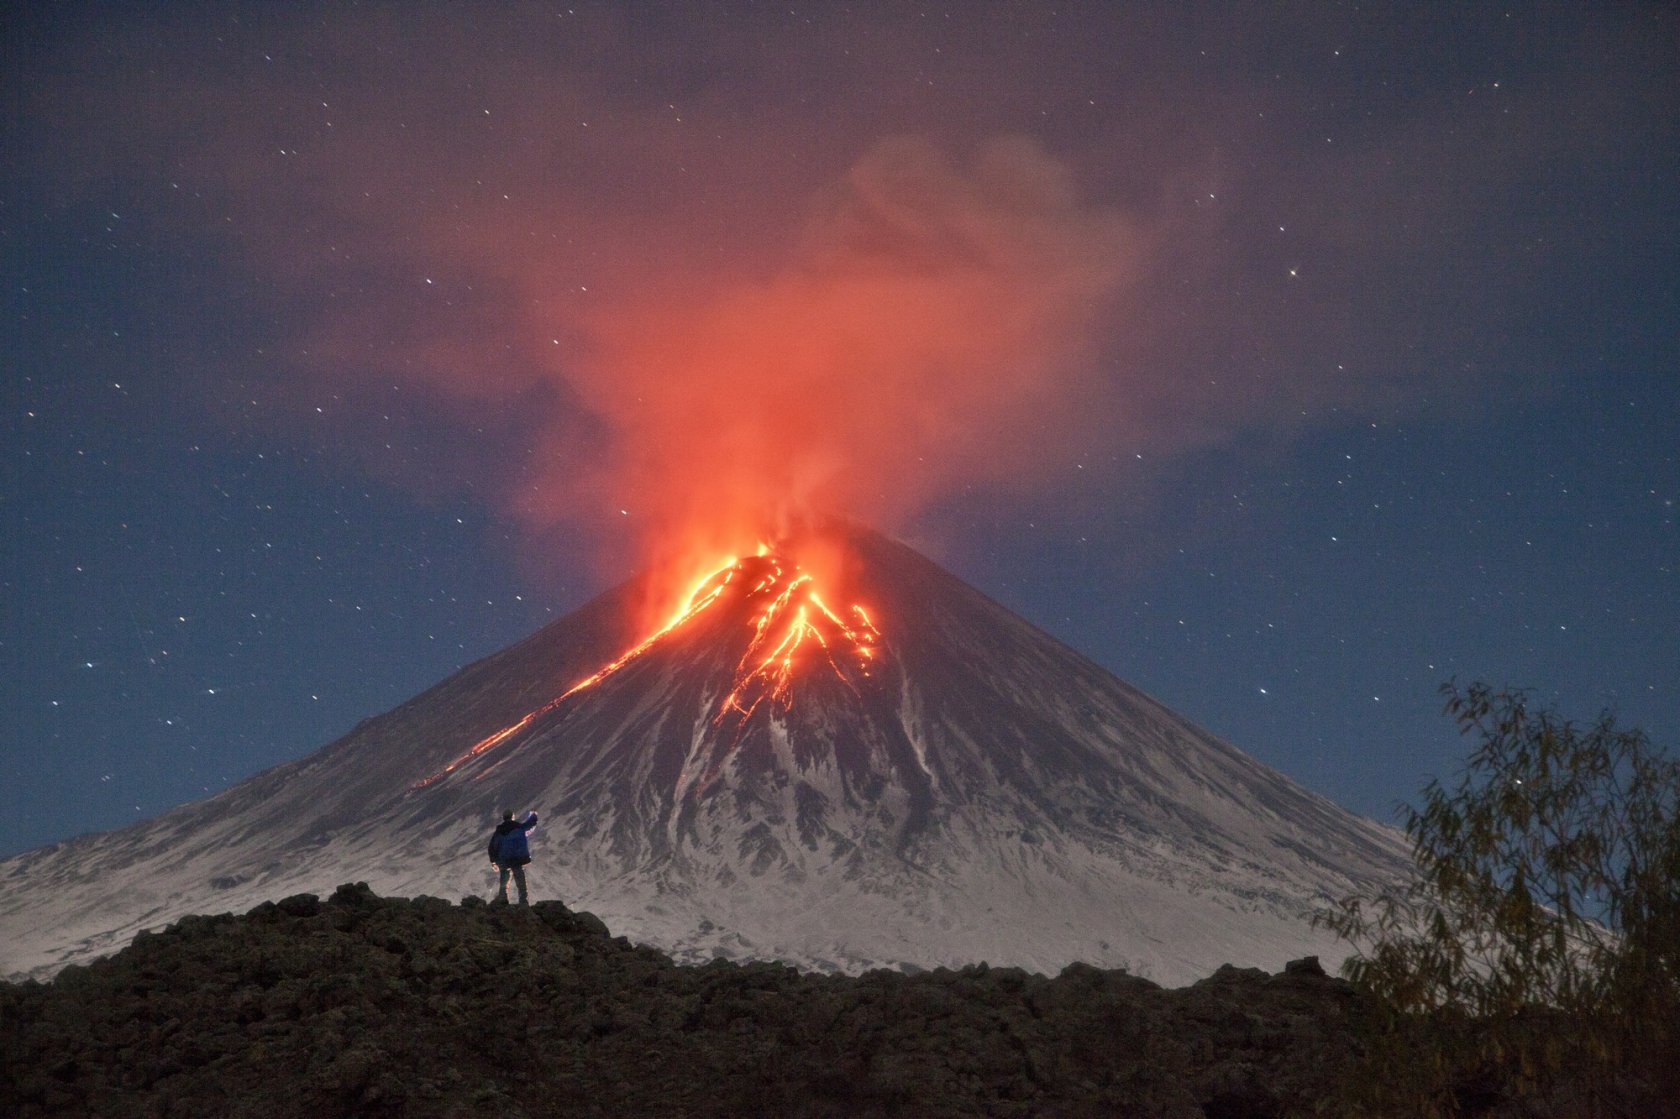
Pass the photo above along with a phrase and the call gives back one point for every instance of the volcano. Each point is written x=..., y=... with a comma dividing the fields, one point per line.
x=838, y=765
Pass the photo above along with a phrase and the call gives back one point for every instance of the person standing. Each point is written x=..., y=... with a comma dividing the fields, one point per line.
x=509, y=852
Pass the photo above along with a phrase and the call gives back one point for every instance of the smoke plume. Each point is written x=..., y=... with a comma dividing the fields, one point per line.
x=657, y=281
x=932, y=329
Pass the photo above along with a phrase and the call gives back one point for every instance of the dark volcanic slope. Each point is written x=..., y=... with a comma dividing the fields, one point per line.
x=366, y=1006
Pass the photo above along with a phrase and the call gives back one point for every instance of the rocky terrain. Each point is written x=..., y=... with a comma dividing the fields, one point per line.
x=366, y=1006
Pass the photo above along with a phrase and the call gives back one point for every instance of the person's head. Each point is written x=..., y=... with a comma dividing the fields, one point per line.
x=507, y=815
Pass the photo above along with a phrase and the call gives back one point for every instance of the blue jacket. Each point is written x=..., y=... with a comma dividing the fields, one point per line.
x=508, y=846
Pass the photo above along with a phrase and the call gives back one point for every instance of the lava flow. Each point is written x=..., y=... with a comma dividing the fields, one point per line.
x=792, y=627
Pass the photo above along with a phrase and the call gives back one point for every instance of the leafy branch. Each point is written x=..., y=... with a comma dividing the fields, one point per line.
x=1541, y=931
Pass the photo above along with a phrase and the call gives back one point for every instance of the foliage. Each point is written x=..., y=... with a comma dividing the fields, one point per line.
x=1540, y=935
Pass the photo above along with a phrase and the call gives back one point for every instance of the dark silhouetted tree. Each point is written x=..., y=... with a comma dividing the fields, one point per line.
x=1535, y=955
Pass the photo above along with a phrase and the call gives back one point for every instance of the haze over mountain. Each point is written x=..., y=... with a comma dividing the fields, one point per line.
x=837, y=755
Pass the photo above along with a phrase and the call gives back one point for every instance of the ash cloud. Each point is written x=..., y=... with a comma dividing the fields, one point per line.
x=935, y=327
x=667, y=265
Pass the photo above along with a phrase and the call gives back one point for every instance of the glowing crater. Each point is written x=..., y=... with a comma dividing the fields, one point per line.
x=793, y=629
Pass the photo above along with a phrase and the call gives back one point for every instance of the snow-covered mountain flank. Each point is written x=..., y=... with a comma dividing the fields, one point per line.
x=887, y=769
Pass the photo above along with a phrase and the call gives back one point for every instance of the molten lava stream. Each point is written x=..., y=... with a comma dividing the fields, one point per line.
x=784, y=628
x=794, y=617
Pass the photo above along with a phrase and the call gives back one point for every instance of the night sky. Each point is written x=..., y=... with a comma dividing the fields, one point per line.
x=1287, y=360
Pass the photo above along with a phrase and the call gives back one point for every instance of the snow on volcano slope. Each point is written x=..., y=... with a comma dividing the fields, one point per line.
x=894, y=771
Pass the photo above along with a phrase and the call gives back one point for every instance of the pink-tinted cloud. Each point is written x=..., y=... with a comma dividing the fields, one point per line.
x=934, y=327
x=705, y=270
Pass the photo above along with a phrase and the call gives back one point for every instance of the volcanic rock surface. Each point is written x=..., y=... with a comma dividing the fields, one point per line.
x=877, y=767
x=368, y=1006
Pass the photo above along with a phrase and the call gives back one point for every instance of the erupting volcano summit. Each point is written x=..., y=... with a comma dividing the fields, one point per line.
x=842, y=764
x=789, y=623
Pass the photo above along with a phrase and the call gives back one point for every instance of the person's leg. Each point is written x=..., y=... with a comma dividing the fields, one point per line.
x=501, y=893
x=519, y=880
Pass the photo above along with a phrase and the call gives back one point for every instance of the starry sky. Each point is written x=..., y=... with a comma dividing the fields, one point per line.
x=1287, y=360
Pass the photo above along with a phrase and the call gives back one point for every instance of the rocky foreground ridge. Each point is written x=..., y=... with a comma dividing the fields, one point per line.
x=367, y=1006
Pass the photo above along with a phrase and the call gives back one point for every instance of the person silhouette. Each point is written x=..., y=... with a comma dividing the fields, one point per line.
x=509, y=852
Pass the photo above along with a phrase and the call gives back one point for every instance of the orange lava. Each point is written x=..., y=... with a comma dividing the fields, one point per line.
x=792, y=627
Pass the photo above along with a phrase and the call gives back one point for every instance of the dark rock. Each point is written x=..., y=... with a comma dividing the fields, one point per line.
x=353, y=895
x=428, y=1009
x=300, y=905
x=592, y=924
